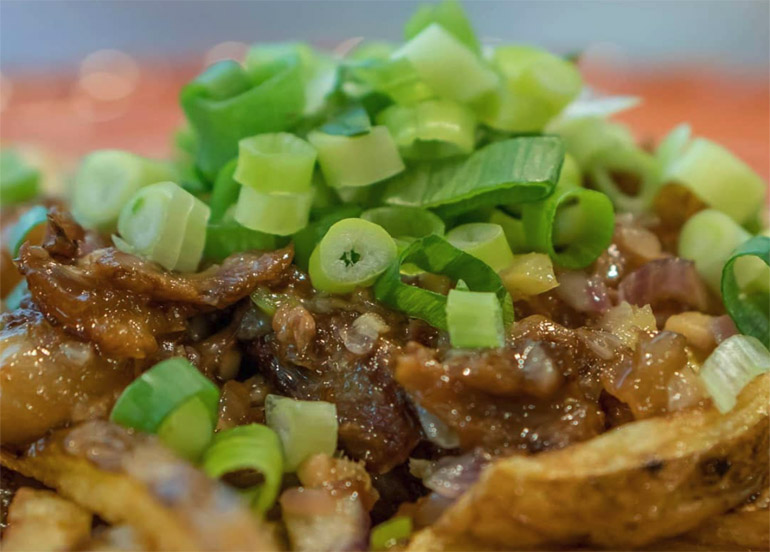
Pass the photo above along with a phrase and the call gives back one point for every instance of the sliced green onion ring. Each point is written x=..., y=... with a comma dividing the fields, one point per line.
x=436, y=255
x=750, y=311
x=188, y=430
x=18, y=180
x=706, y=167
x=225, y=191
x=390, y=533
x=709, y=237
x=353, y=253
x=434, y=129
x=450, y=15
x=275, y=162
x=277, y=213
x=733, y=364
x=146, y=403
x=395, y=78
x=405, y=223
x=483, y=240
x=16, y=296
x=348, y=162
x=474, y=319
x=457, y=73
x=105, y=182
x=305, y=428
x=306, y=240
x=27, y=222
x=166, y=224
x=536, y=87
x=573, y=226
x=248, y=447
x=513, y=227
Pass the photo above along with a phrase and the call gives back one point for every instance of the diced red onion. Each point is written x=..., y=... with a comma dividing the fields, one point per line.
x=670, y=279
x=582, y=292
x=437, y=431
x=362, y=334
x=723, y=327
x=453, y=475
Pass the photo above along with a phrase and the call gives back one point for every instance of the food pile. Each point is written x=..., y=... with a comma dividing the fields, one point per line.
x=423, y=296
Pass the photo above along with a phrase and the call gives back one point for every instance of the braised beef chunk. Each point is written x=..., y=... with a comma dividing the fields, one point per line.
x=541, y=392
x=343, y=351
x=122, y=303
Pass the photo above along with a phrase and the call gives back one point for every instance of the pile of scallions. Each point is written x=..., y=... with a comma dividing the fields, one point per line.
x=437, y=155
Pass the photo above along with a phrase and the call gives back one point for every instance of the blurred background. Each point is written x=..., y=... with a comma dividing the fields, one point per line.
x=77, y=75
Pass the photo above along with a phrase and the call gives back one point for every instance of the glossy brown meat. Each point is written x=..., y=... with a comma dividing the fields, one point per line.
x=318, y=352
x=540, y=392
x=123, y=303
x=48, y=379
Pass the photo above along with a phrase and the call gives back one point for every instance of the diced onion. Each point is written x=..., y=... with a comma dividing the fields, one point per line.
x=529, y=274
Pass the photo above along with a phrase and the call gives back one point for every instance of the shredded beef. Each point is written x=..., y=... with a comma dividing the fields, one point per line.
x=307, y=358
x=123, y=303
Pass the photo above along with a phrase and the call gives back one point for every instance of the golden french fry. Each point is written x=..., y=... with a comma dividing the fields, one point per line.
x=42, y=521
x=637, y=484
x=130, y=479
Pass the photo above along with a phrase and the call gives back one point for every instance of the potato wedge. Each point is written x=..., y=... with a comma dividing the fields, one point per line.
x=642, y=482
x=129, y=478
x=42, y=521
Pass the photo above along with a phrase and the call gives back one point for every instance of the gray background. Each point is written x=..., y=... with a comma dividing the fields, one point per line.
x=45, y=35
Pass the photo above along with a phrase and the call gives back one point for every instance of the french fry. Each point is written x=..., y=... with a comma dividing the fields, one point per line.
x=42, y=521
x=130, y=479
x=643, y=482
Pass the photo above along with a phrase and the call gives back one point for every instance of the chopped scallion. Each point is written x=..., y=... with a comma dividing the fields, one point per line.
x=390, y=533
x=483, y=240
x=305, y=428
x=18, y=180
x=446, y=65
x=353, y=253
x=406, y=223
x=248, y=447
x=749, y=309
x=719, y=178
x=276, y=162
x=434, y=129
x=105, y=182
x=474, y=319
x=166, y=224
x=174, y=400
x=733, y=364
x=348, y=162
x=573, y=226
x=27, y=222
x=276, y=213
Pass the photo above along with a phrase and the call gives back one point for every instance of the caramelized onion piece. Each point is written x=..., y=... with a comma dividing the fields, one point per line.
x=669, y=286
